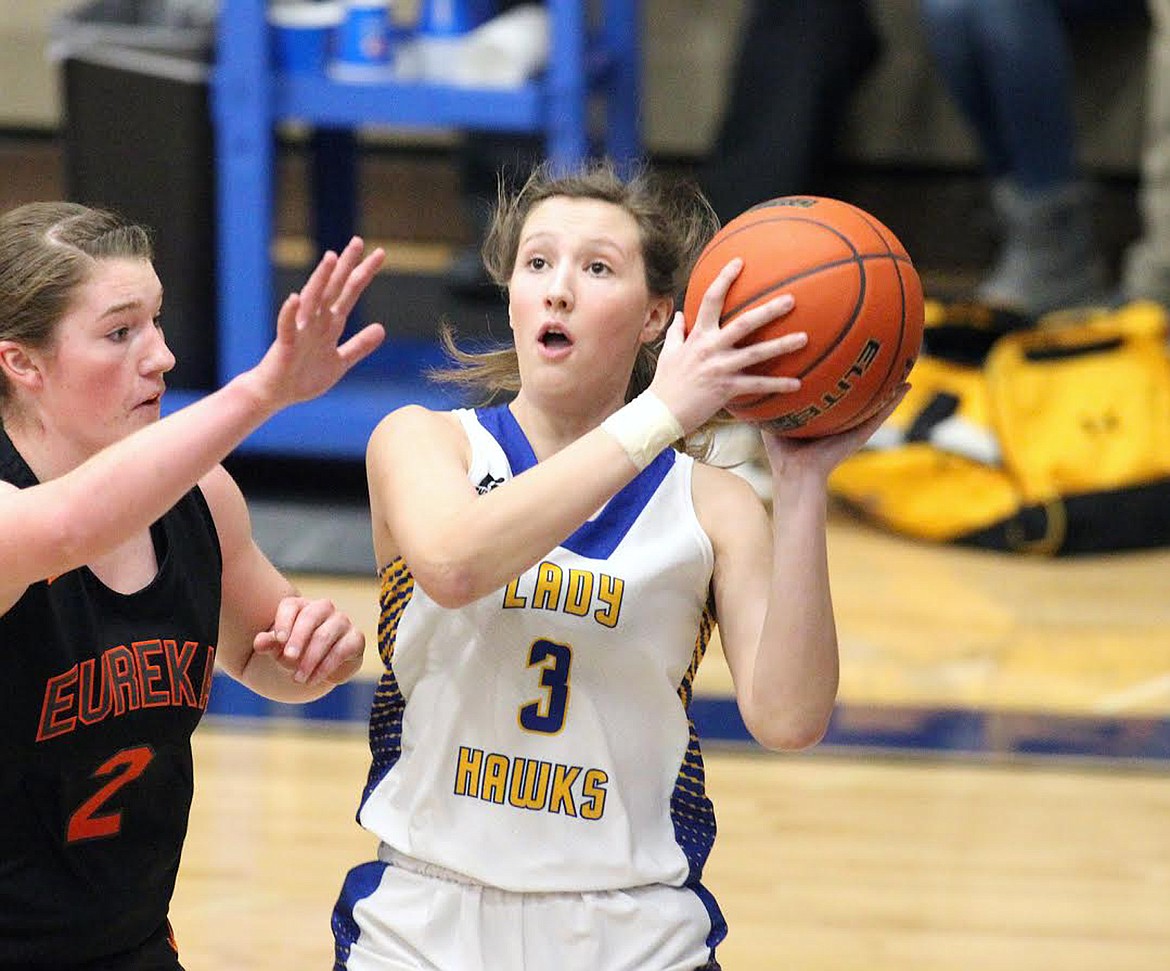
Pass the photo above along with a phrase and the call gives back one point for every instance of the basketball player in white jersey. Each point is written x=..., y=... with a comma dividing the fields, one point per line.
x=551, y=572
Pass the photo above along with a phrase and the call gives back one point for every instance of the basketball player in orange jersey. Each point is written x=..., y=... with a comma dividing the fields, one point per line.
x=127, y=568
x=551, y=571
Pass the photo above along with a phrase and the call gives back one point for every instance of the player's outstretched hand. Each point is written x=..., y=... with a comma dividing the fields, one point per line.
x=306, y=360
x=313, y=640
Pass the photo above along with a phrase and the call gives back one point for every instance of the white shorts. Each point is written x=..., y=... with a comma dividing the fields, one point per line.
x=406, y=915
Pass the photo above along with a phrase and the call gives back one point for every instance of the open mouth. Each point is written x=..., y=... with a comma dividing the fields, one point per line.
x=553, y=337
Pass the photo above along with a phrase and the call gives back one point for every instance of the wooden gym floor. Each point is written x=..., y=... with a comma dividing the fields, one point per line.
x=994, y=794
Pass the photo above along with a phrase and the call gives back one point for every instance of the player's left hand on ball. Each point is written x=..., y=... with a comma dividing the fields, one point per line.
x=313, y=640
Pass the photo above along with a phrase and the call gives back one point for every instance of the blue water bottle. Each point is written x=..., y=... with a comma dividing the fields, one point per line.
x=362, y=48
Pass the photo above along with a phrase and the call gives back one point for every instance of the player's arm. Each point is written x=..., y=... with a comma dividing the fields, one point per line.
x=60, y=524
x=773, y=606
x=12, y=583
x=460, y=545
x=773, y=597
x=279, y=644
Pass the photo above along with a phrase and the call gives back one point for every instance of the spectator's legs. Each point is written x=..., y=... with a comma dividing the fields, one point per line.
x=1146, y=272
x=1007, y=63
x=797, y=65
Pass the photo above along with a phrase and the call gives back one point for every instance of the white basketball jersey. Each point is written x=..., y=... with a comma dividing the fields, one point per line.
x=538, y=739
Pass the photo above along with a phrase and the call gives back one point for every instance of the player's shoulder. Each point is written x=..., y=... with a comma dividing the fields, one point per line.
x=218, y=487
x=414, y=422
x=415, y=430
x=226, y=503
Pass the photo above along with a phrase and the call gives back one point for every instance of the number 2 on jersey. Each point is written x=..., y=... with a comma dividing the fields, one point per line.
x=548, y=714
x=124, y=767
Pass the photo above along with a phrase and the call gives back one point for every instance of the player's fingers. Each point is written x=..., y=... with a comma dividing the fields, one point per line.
x=284, y=622
x=347, y=259
x=286, y=318
x=744, y=358
x=266, y=643
x=845, y=443
x=711, y=307
x=343, y=658
x=744, y=324
x=890, y=404
x=362, y=344
x=330, y=628
x=315, y=286
x=310, y=616
x=676, y=333
x=876, y=414
x=355, y=283
x=760, y=351
x=763, y=384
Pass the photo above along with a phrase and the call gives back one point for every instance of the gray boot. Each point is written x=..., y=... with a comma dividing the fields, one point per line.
x=1050, y=258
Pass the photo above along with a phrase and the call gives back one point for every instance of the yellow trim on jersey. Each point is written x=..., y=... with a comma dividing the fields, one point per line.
x=396, y=590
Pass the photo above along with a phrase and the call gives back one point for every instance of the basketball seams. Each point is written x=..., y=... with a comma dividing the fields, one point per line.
x=782, y=284
x=869, y=407
x=861, y=258
x=864, y=412
x=847, y=325
x=724, y=236
x=844, y=332
x=755, y=224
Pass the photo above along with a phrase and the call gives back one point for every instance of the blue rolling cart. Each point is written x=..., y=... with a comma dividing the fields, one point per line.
x=587, y=64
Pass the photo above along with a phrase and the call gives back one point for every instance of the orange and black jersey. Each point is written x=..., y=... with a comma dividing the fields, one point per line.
x=99, y=696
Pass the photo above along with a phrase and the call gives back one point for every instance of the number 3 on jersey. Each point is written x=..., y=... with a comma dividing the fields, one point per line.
x=548, y=714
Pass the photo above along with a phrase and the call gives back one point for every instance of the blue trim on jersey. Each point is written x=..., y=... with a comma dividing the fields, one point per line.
x=691, y=812
x=599, y=537
x=386, y=714
x=359, y=884
x=504, y=428
x=718, y=922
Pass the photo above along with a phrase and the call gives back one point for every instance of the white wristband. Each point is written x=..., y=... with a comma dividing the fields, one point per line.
x=643, y=428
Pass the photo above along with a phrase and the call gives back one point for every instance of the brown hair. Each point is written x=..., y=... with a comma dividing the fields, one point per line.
x=674, y=223
x=47, y=251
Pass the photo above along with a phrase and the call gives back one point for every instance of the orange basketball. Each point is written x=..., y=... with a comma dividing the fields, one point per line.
x=857, y=295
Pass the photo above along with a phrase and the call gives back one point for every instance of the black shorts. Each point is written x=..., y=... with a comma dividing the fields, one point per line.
x=157, y=953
